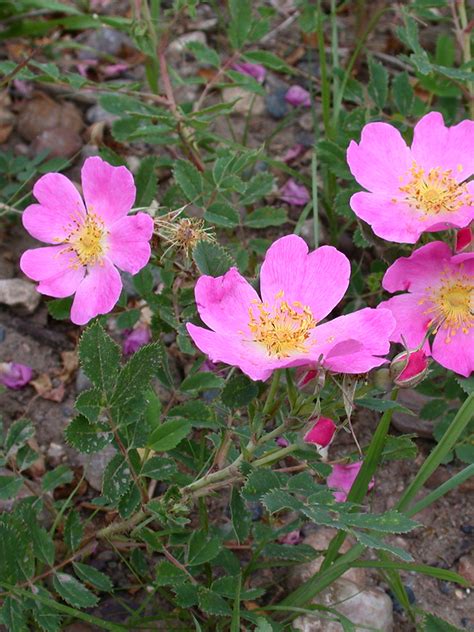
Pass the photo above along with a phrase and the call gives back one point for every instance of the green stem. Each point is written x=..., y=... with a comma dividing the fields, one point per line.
x=467, y=55
x=270, y=401
x=437, y=456
x=443, y=489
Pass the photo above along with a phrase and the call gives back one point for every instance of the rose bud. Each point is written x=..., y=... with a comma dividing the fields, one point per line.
x=463, y=240
x=409, y=368
x=322, y=433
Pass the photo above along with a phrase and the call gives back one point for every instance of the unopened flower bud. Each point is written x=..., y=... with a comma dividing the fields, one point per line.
x=15, y=375
x=464, y=240
x=322, y=433
x=409, y=368
x=308, y=377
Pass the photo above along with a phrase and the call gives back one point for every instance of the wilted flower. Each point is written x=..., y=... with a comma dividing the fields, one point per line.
x=256, y=71
x=342, y=478
x=293, y=153
x=417, y=189
x=91, y=240
x=182, y=233
x=15, y=375
x=135, y=339
x=292, y=538
x=439, y=297
x=294, y=193
x=322, y=433
x=282, y=442
x=298, y=96
x=409, y=368
x=464, y=239
x=280, y=329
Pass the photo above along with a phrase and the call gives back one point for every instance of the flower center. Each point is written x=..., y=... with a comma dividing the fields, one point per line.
x=452, y=305
x=435, y=191
x=87, y=240
x=284, y=328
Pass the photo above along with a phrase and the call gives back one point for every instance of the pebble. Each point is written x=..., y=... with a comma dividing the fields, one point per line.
x=95, y=464
x=104, y=40
x=244, y=100
x=445, y=587
x=83, y=383
x=19, y=293
x=60, y=142
x=412, y=423
x=466, y=567
x=275, y=103
x=305, y=121
x=468, y=529
x=179, y=45
x=42, y=113
x=55, y=453
x=97, y=114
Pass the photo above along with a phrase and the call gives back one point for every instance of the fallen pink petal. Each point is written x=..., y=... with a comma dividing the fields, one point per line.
x=135, y=339
x=342, y=478
x=322, y=433
x=412, y=190
x=298, y=97
x=294, y=193
x=293, y=153
x=15, y=375
x=257, y=71
x=92, y=238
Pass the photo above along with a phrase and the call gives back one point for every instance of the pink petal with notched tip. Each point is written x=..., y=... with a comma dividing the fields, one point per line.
x=97, y=293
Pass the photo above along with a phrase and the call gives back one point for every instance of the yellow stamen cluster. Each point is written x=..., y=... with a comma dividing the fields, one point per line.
x=87, y=240
x=284, y=328
x=452, y=305
x=435, y=191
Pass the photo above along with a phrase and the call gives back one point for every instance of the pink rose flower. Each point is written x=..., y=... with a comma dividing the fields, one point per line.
x=409, y=368
x=342, y=478
x=15, y=375
x=463, y=239
x=322, y=433
x=438, y=296
x=280, y=328
x=256, y=71
x=136, y=339
x=411, y=190
x=298, y=96
x=90, y=240
x=294, y=193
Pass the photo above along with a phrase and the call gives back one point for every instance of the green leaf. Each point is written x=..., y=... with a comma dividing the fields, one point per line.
x=144, y=282
x=187, y=595
x=213, y=604
x=403, y=94
x=89, y=404
x=189, y=180
x=372, y=542
x=202, y=381
x=73, y=530
x=86, y=437
x=260, y=185
x=381, y=405
x=397, y=448
x=211, y=258
x=296, y=553
x=60, y=308
x=378, y=83
x=222, y=214
x=100, y=357
x=146, y=181
x=13, y=615
x=433, y=409
x=389, y=522
x=467, y=384
x=432, y=623
x=159, y=468
x=269, y=60
x=116, y=480
x=240, y=516
x=18, y=434
x=239, y=391
x=204, y=54
x=92, y=576
x=73, y=591
x=167, y=436
x=45, y=616
x=167, y=574
x=203, y=547
x=260, y=482
x=266, y=216
x=241, y=22
x=43, y=545
x=61, y=475
x=10, y=486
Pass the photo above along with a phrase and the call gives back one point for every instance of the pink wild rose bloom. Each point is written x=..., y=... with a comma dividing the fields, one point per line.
x=298, y=96
x=411, y=190
x=280, y=327
x=342, y=478
x=92, y=238
x=438, y=296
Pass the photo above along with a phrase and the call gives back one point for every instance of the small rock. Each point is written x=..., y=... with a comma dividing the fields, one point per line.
x=179, y=45
x=95, y=464
x=275, y=103
x=367, y=609
x=59, y=142
x=246, y=100
x=42, y=113
x=468, y=529
x=408, y=424
x=19, y=293
x=305, y=121
x=104, y=40
x=83, y=383
x=466, y=567
x=97, y=114
x=55, y=454
x=7, y=118
x=445, y=587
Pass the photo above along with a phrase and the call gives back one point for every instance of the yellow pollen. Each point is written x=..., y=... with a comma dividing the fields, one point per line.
x=435, y=191
x=87, y=240
x=452, y=306
x=284, y=328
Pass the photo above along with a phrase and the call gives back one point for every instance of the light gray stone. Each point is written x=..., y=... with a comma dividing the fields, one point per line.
x=244, y=101
x=19, y=293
